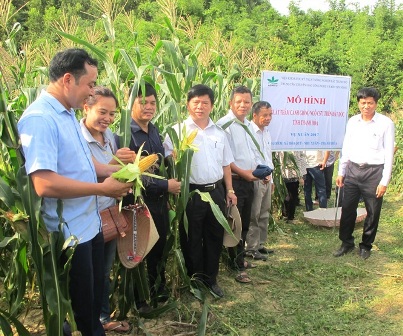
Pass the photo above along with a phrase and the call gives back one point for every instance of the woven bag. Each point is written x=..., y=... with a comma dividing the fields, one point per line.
x=140, y=238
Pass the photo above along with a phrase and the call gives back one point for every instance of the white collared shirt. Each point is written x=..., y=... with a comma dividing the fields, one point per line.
x=213, y=153
x=370, y=142
x=264, y=140
x=246, y=155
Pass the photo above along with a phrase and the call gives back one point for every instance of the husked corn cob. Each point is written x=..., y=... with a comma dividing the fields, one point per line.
x=132, y=172
x=146, y=162
x=192, y=136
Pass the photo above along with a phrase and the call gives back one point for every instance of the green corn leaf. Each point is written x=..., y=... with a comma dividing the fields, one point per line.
x=247, y=130
x=108, y=25
x=3, y=100
x=141, y=281
x=126, y=291
x=158, y=312
x=31, y=94
x=6, y=194
x=100, y=54
x=205, y=196
x=6, y=319
x=184, y=167
x=19, y=276
x=181, y=266
x=5, y=326
x=8, y=240
x=173, y=85
x=109, y=67
x=202, y=326
x=174, y=54
x=124, y=130
x=198, y=293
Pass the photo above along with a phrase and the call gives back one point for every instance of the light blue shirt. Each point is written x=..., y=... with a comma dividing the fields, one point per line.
x=103, y=154
x=51, y=140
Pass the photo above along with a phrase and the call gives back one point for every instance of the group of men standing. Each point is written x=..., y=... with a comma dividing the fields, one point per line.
x=61, y=167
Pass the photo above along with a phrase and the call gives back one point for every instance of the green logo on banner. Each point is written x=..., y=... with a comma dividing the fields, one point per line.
x=272, y=80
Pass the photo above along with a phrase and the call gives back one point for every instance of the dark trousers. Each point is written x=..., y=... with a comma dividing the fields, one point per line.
x=328, y=172
x=290, y=203
x=86, y=285
x=244, y=193
x=360, y=181
x=314, y=175
x=155, y=264
x=109, y=258
x=202, y=245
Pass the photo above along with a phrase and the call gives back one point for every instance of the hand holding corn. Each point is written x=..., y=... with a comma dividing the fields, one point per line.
x=174, y=186
x=113, y=188
x=126, y=155
x=132, y=171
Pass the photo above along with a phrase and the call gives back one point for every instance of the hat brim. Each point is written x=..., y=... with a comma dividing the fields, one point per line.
x=134, y=247
x=235, y=223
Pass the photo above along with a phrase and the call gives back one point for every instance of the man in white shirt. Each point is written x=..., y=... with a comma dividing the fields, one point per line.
x=260, y=212
x=245, y=157
x=365, y=169
x=210, y=167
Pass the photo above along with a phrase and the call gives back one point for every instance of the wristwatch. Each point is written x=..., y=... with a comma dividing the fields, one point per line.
x=231, y=191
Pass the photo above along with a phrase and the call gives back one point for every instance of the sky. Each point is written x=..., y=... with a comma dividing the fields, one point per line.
x=282, y=5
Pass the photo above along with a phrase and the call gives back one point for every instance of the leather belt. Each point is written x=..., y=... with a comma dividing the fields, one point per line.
x=365, y=165
x=205, y=187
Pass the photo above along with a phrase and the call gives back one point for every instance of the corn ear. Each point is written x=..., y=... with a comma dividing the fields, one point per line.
x=132, y=172
x=187, y=140
x=192, y=136
x=146, y=162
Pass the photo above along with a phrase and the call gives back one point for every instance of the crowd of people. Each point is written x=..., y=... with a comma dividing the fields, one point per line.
x=73, y=161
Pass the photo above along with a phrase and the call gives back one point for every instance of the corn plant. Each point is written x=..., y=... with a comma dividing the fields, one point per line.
x=172, y=73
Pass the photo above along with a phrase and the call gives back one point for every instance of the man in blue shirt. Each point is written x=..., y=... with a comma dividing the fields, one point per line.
x=60, y=164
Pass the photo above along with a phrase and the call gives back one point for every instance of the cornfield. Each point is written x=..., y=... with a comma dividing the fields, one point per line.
x=28, y=253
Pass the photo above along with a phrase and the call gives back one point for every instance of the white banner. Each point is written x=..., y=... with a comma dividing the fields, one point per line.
x=309, y=111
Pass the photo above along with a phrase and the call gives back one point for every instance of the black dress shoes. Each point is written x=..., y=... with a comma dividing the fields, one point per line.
x=364, y=254
x=343, y=250
x=217, y=290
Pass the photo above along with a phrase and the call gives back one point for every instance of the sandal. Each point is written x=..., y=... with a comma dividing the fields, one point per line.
x=121, y=327
x=243, y=278
x=249, y=265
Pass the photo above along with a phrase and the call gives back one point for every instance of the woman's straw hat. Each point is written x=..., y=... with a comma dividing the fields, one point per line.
x=140, y=238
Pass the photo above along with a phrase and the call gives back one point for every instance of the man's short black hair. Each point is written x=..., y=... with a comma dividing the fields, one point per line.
x=149, y=90
x=201, y=90
x=70, y=61
x=368, y=92
x=259, y=105
x=240, y=89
